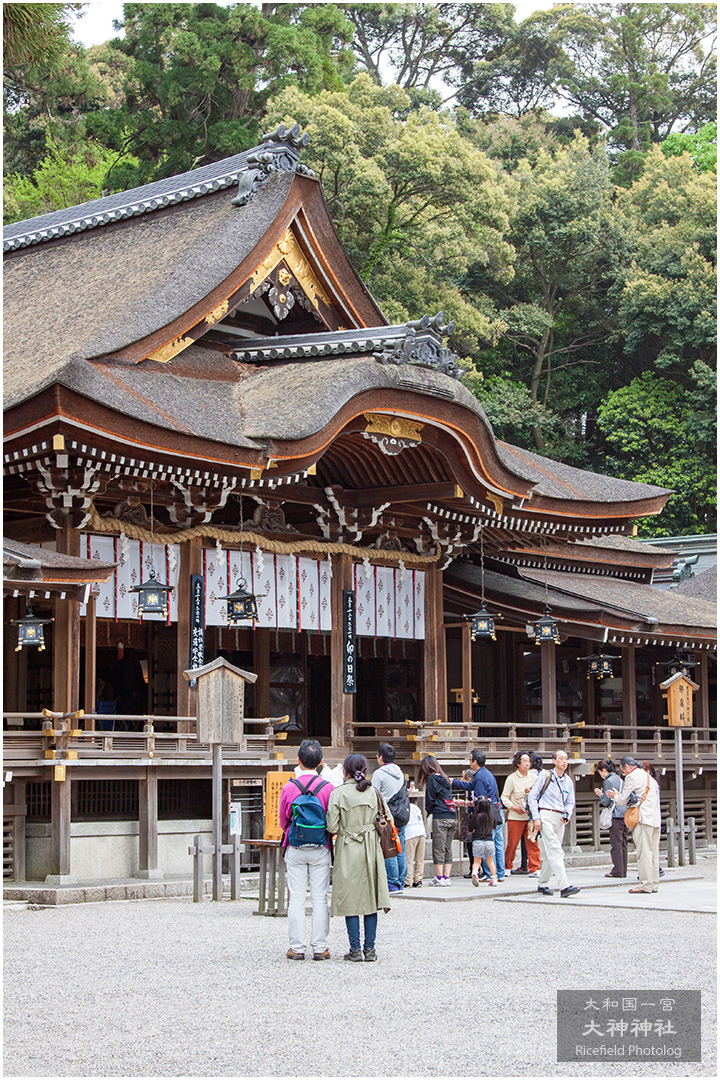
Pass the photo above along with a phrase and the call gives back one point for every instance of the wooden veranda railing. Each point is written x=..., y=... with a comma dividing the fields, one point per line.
x=175, y=739
x=452, y=742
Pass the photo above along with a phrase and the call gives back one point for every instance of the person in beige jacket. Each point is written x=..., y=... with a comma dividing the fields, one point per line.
x=646, y=833
x=516, y=790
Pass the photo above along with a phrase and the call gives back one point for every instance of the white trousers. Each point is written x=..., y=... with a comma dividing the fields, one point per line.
x=647, y=845
x=308, y=867
x=551, y=849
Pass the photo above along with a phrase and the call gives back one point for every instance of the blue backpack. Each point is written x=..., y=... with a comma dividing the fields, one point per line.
x=307, y=828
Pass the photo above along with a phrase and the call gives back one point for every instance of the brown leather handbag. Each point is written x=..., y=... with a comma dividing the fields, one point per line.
x=389, y=838
x=632, y=814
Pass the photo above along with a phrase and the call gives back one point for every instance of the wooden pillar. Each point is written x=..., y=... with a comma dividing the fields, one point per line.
x=261, y=667
x=629, y=692
x=589, y=711
x=90, y=660
x=548, y=677
x=190, y=563
x=60, y=816
x=703, y=698
x=342, y=706
x=434, y=659
x=148, y=866
x=66, y=636
x=467, y=672
x=14, y=663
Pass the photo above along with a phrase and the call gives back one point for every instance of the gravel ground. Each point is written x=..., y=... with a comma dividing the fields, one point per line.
x=171, y=988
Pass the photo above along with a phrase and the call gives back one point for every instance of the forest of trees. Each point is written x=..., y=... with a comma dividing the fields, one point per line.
x=550, y=185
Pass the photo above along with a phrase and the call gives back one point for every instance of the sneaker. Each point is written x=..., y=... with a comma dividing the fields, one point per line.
x=395, y=888
x=468, y=875
x=322, y=955
x=493, y=881
x=355, y=955
x=535, y=873
x=292, y=955
x=518, y=871
x=436, y=882
x=445, y=882
x=370, y=955
x=417, y=884
x=569, y=890
x=475, y=881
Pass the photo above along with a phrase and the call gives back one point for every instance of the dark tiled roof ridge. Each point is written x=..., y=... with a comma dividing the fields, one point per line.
x=278, y=151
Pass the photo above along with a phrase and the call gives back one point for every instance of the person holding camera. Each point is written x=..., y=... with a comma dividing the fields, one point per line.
x=551, y=803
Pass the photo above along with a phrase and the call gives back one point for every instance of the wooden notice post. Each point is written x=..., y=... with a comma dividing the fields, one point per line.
x=679, y=693
x=220, y=715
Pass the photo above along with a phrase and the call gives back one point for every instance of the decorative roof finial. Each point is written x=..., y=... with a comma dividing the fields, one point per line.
x=279, y=152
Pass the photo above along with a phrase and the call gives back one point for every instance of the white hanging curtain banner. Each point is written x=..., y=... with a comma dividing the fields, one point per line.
x=324, y=595
x=286, y=591
x=308, y=594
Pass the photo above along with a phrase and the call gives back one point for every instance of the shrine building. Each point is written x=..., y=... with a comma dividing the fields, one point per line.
x=203, y=401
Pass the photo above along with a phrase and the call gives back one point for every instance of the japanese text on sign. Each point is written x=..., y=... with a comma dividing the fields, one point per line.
x=349, y=643
x=634, y=1025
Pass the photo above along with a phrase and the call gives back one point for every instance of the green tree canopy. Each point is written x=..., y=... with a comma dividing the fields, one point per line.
x=413, y=201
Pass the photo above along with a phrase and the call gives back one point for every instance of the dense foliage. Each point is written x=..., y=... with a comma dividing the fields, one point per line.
x=549, y=185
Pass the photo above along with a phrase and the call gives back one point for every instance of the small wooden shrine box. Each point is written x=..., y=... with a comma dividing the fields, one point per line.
x=221, y=701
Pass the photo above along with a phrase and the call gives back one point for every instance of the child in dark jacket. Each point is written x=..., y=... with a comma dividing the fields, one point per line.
x=482, y=822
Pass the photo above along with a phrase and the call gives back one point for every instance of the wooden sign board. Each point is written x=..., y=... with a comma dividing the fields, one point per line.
x=274, y=783
x=680, y=700
x=220, y=701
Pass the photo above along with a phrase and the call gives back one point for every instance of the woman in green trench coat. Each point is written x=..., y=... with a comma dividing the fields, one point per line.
x=359, y=881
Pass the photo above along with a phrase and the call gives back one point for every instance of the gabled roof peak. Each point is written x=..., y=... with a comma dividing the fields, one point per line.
x=418, y=343
x=278, y=152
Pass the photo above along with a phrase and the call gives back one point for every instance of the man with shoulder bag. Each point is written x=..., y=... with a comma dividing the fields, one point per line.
x=389, y=780
x=641, y=794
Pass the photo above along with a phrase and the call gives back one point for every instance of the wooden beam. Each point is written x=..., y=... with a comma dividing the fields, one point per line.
x=342, y=705
x=60, y=816
x=629, y=692
x=261, y=667
x=148, y=866
x=703, y=698
x=548, y=677
x=467, y=677
x=66, y=636
x=90, y=659
x=434, y=654
x=402, y=493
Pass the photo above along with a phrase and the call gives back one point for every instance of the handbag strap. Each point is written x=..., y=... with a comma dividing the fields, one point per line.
x=646, y=792
x=382, y=809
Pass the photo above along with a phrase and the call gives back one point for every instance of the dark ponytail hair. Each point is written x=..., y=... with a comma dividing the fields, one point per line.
x=608, y=764
x=428, y=766
x=355, y=766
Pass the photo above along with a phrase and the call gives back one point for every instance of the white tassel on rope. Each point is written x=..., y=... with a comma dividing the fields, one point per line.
x=218, y=551
x=403, y=571
x=330, y=568
x=367, y=568
x=124, y=548
x=260, y=558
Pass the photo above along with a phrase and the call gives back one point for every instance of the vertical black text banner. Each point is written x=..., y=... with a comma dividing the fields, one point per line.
x=197, y=622
x=349, y=644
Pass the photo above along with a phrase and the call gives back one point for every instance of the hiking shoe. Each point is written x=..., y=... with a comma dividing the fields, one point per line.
x=322, y=955
x=370, y=954
x=292, y=955
x=354, y=955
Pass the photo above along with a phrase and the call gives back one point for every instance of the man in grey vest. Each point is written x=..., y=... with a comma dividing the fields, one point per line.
x=389, y=780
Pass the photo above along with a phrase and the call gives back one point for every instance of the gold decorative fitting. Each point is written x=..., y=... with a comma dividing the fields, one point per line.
x=218, y=313
x=396, y=426
x=256, y=474
x=288, y=248
x=284, y=276
x=171, y=349
x=496, y=501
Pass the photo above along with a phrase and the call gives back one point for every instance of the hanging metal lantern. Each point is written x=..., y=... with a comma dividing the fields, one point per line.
x=546, y=629
x=599, y=665
x=681, y=665
x=153, y=596
x=241, y=605
x=30, y=630
x=483, y=624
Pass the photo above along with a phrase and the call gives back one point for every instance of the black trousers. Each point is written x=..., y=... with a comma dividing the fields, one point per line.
x=619, y=834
